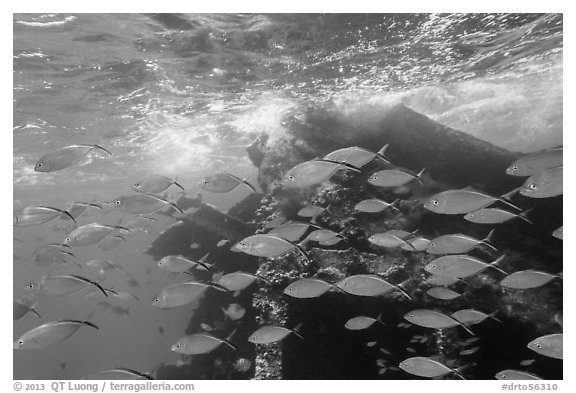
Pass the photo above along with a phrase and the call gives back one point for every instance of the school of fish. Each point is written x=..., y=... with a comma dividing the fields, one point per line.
x=452, y=264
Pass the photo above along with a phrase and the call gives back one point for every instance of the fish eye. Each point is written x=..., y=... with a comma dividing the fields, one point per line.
x=432, y=244
x=39, y=164
x=433, y=266
x=21, y=342
x=156, y=299
x=137, y=185
x=538, y=345
x=503, y=376
x=117, y=202
x=514, y=168
x=435, y=202
x=290, y=177
x=532, y=186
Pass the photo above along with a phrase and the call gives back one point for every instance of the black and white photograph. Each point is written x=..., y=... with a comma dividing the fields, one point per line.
x=287, y=196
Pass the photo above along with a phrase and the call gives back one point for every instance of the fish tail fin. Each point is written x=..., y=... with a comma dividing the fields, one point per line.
x=300, y=248
x=97, y=285
x=496, y=262
x=227, y=340
x=418, y=177
x=67, y=214
x=402, y=290
x=493, y=316
x=560, y=275
x=381, y=153
x=175, y=182
x=379, y=319
x=121, y=228
x=467, y=328
x=465, y=282
x=204, y=258
x=101, y=148
x=36, y=312
x=111, y=291
x=297, y=329
x=394, y=204
x=506, y=198
x=176, y=207
x=524, y=216
x=250, y=186
x=487, y=240
x=88, y=323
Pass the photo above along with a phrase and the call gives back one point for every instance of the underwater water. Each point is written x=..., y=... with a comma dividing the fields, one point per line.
x=184, y=96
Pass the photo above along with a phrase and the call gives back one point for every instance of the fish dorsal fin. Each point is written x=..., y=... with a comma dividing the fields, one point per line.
x=297, y=329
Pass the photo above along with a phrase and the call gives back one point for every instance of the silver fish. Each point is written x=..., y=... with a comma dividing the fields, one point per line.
x=176, y=295
x=461, y=266
x=90, y=234
x=65, y=157
x=223, y=182
x=49, y=334
x=526, y=279
x=493, y=215
x=63, y=285
x=550, y=345
x=37, y=215
x=363, y=322
x=388, y=240
x=433, y=319
x=426, y=367
x=545, y=184
x=200, y=343
x=375, y=205
x=536, y=162
x=153, y=184
x=313, y=172
x=463, y=201
x=268, y=246
x=368, y=285
x=323, y=235
x=142, y=204
x=512, y=375
x=472, y=317
x=179, y=264
x=272, y=334
x=306, y=288
x=357, y=156
x=393, y=178
x=457, y=243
